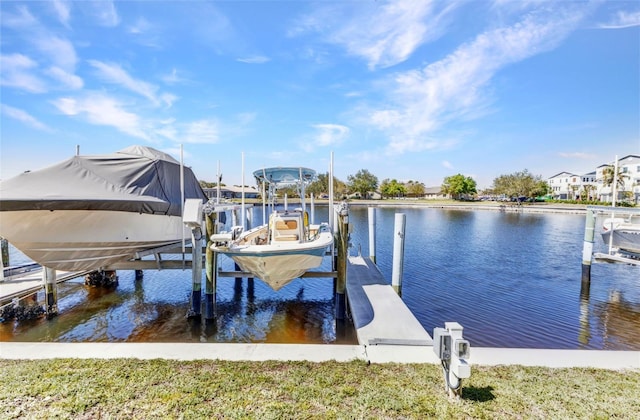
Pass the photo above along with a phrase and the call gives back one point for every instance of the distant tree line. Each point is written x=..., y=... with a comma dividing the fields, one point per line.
x=520, y=184
x=459, y=187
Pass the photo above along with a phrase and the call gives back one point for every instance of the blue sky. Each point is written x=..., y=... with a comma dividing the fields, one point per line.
x=411, y=90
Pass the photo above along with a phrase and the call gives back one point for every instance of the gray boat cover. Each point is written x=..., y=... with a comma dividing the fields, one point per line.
x=136, y=179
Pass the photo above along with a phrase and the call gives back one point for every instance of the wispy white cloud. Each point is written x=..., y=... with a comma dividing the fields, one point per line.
x=202, y=131
x=577, y=155
x=114, y=73
x=455, y=88
x=104, y=12
x=330, y=134
x=167, y=129
x=19, y=71
x=62, y=9
x=168, y=99
x=213, y=29
x=24, y=117
x=141, y=26
x=246, y=118
x=101, y=109
x=68, y=80
x=254, y=59
x=447, y=164
x=622, y=19
x=383, y=34
x=59, y=51
x=146, y=33
x=174, y=77
x=324, y=135
x=52, y=55
x=22, y=19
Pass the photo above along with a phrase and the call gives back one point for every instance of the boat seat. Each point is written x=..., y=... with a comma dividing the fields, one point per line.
x=286, y=230
x=286, y=225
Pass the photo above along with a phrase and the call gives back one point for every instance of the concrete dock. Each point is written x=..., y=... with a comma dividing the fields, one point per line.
x=371, y=300
x=485, y=356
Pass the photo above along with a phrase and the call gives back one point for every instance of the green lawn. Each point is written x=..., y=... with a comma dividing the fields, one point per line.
x=125, y=388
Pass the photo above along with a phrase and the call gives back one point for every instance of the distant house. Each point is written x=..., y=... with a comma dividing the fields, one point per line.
x=571, y=186
x=591, y=191
x=564, y=186
x=629, y=167
x=371, y=195
x=434, y=193
x=231, y=192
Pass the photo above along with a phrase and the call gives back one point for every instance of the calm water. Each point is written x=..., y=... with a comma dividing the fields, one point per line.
x=511, y=279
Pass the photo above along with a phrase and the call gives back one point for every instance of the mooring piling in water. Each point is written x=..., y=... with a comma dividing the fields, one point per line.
x=587, y=247
x=342, y=250
x=4, y=255
x=371, y=213
x=51, y=291
x=196, y=273
x=398, y=251
x=192, y=218
x=211, y=268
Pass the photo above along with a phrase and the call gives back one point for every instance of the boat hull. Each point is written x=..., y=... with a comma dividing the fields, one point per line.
x=278, y=264
x=76, y=240
x=625, y=240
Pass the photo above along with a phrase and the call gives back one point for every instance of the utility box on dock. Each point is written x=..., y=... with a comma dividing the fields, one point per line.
x=442, y=343
x=192, y=214
x=453, y=351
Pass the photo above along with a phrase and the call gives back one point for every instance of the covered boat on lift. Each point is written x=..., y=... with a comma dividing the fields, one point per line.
x=622, y=234
x=91, y=211
x=288, y=245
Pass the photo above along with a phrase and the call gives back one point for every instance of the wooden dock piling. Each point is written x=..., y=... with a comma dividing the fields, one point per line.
x=51, y=291
x=211, y=268
x=4, y=256
x=4, y=245
x=342, y=250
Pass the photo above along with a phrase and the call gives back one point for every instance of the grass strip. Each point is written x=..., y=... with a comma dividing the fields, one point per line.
x=131, y=388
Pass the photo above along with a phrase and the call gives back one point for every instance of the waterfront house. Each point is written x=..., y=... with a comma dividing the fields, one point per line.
x=629, y=189
x=571, y=186
x=564, y=185
x=434, y=193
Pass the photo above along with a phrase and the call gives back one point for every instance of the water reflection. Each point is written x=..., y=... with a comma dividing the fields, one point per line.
x=618, y=319
x=132, y=312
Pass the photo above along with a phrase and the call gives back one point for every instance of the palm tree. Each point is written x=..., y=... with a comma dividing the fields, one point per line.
x=587, y=188
x=574, y=190
x=608, y=176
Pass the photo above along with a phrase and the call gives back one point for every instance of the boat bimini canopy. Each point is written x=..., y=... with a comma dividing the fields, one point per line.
x=285, y=177
x=282, y=177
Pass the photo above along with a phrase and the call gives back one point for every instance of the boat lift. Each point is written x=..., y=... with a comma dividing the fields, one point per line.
x=203, y=219
x=613, y=255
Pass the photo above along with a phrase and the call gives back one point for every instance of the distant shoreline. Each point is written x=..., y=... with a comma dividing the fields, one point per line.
x=491, y=206
x=454, y=205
